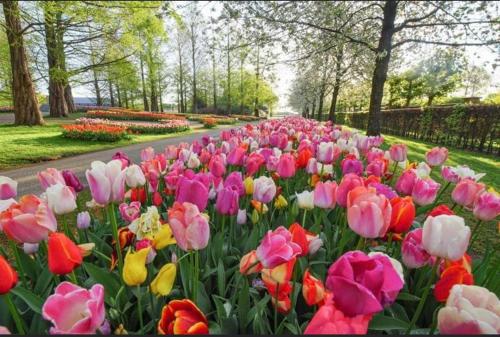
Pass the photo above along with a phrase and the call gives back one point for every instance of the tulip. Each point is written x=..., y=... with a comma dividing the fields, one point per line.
x=72, y=180
x=30, y=248
x=403, y=214
x=236, y=156
x=217, y=166
x=50, y=176
x=5, y=204
x=325, y=194
x=303, y=158
x=487, y=206
x=413, y=252
x=190, y=227
x=452, y=275
x=146, y=243
x=276, y=248
x=436, y=156
x=181, y=317
x=470, y=310
x=83, y=220
x=425, y=191
x=299, y=236
x=134, y=177
x=235, y=180
x=248, y=183
x=398, y=152
x=371, y=280
x=325, y=153
x=405, y=182
x=4, y=331
x=254, y=162
x=163, y=238
x=8, y=188
x=75, y=310
x=329, y=320
x=193, y=161
x=106, y=181
x=264, y=189
x=30, y=220
x=147, y=153
x=286, y=166
x=305, y=200
x=241, y=217
x=9, y=276
x=249, y=263
x=63, y=254
x=134, y=269
x=313, y=289
x=312, y=166
x=192, y=191
x=130, y=212
x=446, y=236
x=368, y=214
x=279, y=276
x=466, y=192
x=147, y=225
x=61, y=199
x=122, y=156
x=384, y=190
x=259, y=207
x=351, y=165
x=348, y=182
x=439, y=210
x=448, y=173
x=228, y=201
x=164, y=280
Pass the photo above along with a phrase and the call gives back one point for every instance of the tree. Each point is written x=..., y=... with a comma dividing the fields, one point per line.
x=26, y=108
x=474, y=79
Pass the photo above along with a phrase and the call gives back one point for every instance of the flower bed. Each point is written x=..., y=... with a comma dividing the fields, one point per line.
x=6, y=109
x=132, y=115
x=286, y=227
x=162, y=127
x=209, y=122
x=95, y=132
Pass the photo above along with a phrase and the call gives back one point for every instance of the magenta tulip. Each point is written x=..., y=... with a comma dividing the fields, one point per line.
x=276, y=248
x=413, y=252
x=217, y=165
x=405, y=182
x=72, y=180
x=466, y=191
x=286, y=166
x=425, y=191
x=236, y=156
x=487, y=206
x=436, y=156
x=8, y=188
x=192, y=191
x=130, y=212
x=348, y=182
x=228, y=201
x=235, y=179
x=398, y=152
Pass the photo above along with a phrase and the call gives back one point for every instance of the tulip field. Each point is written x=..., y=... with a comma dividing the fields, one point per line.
x=285, y=226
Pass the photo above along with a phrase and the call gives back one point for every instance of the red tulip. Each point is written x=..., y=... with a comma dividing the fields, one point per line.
x=403, y=214
x=456, y=274
x=8, y=279
x=182, y=317
x=313, y=289
x=440, y=210
x=63, y=255
x=303, y=158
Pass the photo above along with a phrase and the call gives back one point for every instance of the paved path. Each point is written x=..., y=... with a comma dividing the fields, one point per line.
x=28, y=181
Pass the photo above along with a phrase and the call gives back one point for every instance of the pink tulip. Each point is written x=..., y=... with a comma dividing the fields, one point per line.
x=348, y=182
x=312, y=166
x=236, y=156
x=425, y=191
x=228, y=201
x=368, y=214
x=234, y=179
x=279, y=140
x=72, y=180
x=413, y=253
x=376, y=168
x=122, y=156
x=83, y=220
x=405, y=182
x=436, y=156
x=372, y=281
x=147, y=153
x=75, y=310
x=205, y=157
x=276, y=248
x=272, y=163
x=192, y=191
x=351, y=165
x=29, y=221
x=373, y=154
x=217, y=165
x=286, y=166
x=398, y=152
x=4, y=204
x=264, y=189
x=106, y=181
x=4, y=330
x=466, y=192
x=254, y=162
x=50, y=176
x=449, y=174
x=189, y=226
x=325, y=153
x=329, y=320
x=171, y=152
x=61, y=199
x=471, y=310
x=130, y=212
x=325, y=194
x=487, y=206
x=8, y=188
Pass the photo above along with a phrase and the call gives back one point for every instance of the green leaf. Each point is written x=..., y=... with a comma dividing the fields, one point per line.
x=221, y=279
x=243, y=305
x=104, y=277
x=43, y=281
x=32, y=300
x=384, y=323
x=407, y=297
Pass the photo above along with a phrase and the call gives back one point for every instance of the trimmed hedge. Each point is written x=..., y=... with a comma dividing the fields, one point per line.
x=471, y=127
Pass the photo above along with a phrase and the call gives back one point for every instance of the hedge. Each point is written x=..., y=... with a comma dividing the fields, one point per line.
x=471, y=127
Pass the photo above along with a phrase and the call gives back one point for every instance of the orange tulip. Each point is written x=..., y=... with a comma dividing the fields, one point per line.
x=249, y=264
x=126, y=237
x=456, y=274
x=403, y=214
x=182, y=317
x=313, y=289
x=299, y=236
x=280, y=274
x=8, y=280
x=465, y=261
x=63, y=254
x=303, y=158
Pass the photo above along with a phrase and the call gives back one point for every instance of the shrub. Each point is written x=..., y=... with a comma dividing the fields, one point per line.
x=95, y=132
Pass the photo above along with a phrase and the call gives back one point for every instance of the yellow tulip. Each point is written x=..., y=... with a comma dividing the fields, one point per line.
x=254, y=217
x=134, y=269
x=248, y=182
x=164, y=281
x=280, y=202
x=163, y=238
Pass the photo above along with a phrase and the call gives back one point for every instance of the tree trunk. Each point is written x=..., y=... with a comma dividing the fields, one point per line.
x=430, y=98
x=228, y=78
x=381, y=68
x=144, y=96
x=68, y=96
x=97, y=89
x=125, y=96
x=336, y=85
x=257, y=74
x=193, y=50
x=160, y=93
x=118, y=95
x=214, y=83
x=181, y=79
x=57, y=81
x=111, y=96
x=320, y=103
x=241, y=85
x=313, y=108
x=154, y=97
x=68, y=93
x=26, y=110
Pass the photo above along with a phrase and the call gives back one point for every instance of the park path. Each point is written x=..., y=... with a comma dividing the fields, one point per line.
x=27, y=176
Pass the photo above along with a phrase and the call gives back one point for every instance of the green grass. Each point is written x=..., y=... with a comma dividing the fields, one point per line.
x=480, y=163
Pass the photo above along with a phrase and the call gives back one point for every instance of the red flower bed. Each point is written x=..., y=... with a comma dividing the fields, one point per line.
x=98, y=132
x=131, y=115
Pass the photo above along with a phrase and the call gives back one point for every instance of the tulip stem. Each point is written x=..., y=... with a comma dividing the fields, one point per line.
x=420, y=306
x=15, y=314
x=196, y=274
x=441, y=193
x=304, y=218
x=361, y=243
x=139, y=307
x=474, y=232
x=73, y=278
x=276, y=303
x=112, y=218
x=13, y=247
x=389, y=243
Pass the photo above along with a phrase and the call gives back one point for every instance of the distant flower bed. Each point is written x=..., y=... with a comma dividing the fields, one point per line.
x=85, y=108
x=116, y=114
x=209, y=122
x=96, y=132
x=164, y=126
x=247, y=118
x=6, y=109
x=219, y=120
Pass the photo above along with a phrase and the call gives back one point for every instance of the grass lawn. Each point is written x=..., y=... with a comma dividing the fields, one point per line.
x=489, y=233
